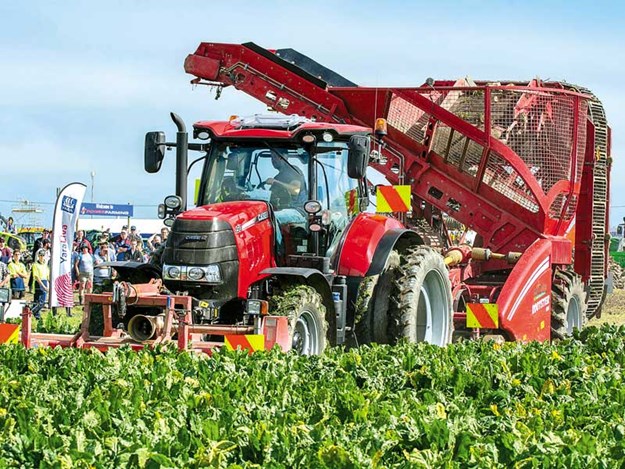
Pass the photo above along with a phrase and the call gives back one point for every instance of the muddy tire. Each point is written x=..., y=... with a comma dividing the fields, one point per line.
x=372, y=305
x=308, y=327
x=568, y=304
x=421, y=300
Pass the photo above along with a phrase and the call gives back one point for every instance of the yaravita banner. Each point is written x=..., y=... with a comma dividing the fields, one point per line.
x=65, y=218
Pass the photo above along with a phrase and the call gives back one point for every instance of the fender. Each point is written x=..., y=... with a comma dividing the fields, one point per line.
x=525, y=299
x=315, y=279
x=134, y=272
x=311, y=277
x=396, y=238
x=360, y=242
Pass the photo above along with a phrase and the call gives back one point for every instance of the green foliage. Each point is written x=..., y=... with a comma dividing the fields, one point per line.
x=619, y=257
x=473, y=404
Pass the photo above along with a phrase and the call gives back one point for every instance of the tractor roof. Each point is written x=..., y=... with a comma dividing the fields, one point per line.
x=273, y=127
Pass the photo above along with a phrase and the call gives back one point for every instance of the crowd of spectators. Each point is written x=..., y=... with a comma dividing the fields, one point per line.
x=89, y=262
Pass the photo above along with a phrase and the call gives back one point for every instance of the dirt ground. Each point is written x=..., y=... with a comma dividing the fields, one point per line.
x=613, y=311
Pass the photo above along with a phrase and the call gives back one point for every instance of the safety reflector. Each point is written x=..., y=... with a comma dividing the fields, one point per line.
x=482, y=315
x=251, y=342
x=9, y=333
x=393, y=199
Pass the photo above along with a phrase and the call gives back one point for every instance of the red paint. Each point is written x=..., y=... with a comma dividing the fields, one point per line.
x=525, y=299
x=255, y=240
x=360, y=242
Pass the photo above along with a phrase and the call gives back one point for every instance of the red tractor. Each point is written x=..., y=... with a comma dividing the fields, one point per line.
x=280, y=247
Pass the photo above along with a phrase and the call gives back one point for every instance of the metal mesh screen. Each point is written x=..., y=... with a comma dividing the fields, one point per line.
x=468, y=105
x=504, y=179
x=537, y=126
x=407, y=118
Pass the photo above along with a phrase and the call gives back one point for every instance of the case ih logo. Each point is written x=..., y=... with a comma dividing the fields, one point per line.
x=68, y=204
x=195, y=238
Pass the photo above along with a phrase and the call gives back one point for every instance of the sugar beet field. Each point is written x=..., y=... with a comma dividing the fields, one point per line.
x=472, y=404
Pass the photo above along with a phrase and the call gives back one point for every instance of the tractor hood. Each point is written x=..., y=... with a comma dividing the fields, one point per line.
x=237, y=237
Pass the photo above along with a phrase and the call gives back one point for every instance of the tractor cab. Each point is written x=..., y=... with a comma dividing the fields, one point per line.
x=300, y=168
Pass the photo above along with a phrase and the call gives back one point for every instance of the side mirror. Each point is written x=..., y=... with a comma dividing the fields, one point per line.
x=358, y=156
x=154, y=151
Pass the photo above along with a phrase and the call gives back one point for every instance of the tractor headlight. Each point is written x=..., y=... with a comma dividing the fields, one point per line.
x=213, y=274
x=195, y=273
x=173, y=272
x=192, y=273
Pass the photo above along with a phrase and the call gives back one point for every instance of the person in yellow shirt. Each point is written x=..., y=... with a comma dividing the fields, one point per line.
x=41, y=277
x=19, y=275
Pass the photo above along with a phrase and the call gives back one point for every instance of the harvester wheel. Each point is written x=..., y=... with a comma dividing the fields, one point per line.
x=372, y=305
x=421, y=300
x=308, y=327
x=568, y=309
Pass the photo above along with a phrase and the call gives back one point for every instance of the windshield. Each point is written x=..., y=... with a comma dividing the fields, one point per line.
x=276, y=174
x=279, y=174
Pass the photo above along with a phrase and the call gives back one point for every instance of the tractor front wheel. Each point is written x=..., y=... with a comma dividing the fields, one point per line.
x=568, y=309
x=303, y=305
x=421, y=301
x=372, y=305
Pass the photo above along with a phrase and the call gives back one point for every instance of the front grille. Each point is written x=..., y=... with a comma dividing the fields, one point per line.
x=204, y=242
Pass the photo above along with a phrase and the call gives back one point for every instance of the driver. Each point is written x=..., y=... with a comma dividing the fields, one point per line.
x=288, y=187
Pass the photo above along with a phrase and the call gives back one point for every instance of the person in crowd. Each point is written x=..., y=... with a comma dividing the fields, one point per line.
x=134, y=234
x=5, y=251
x=47, y=247
x=134, y=253
x=19, y=275
x=41, y=277
x=5, y=283
x=101, y=274
x=122, y=245
x=154, y=242
x=164, y=234
x=10, y=226
x=84, y=271
x=39, y=242
x=5, y=277
x=80, y=240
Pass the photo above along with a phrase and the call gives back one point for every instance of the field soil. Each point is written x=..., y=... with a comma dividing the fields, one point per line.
x=613, y=311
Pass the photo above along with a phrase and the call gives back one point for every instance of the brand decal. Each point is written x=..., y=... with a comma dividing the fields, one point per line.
x=68, y=204
x=540, y=304
x=195, y=238
x=257, y=219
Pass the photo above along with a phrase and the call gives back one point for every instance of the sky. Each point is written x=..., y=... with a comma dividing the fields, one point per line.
x=81, y=82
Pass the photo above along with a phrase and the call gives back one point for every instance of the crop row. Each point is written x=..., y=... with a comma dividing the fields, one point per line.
x=471, y=404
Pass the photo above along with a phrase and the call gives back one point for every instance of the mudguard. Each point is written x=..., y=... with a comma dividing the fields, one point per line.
x=134, y=272
x=312, y=277
x=525, y=299
x=361, y=240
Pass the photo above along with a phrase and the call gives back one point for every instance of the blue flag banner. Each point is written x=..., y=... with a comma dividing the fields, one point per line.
x=106, y=210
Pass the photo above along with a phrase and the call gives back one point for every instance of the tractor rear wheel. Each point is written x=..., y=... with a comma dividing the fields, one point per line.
x=308, y=327
x=372, y=305
x=421, y=301
x=568, y=309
